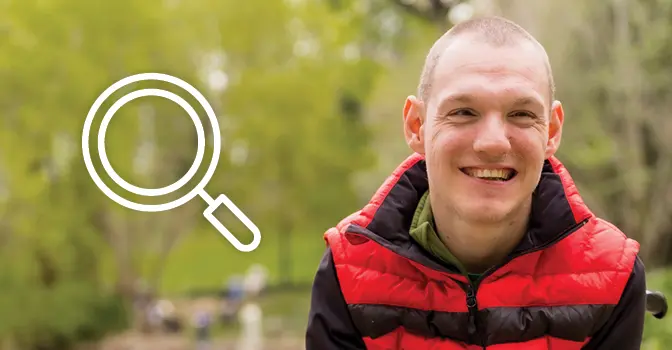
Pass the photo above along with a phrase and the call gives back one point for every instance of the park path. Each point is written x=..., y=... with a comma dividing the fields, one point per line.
x=137, y=341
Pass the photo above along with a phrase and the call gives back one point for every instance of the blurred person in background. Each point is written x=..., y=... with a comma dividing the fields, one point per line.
x=480, y=238
x=232, y=296
x=203, y=329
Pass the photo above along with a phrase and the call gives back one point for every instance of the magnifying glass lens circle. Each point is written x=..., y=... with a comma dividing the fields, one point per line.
x=199, y=130
x=151, y=192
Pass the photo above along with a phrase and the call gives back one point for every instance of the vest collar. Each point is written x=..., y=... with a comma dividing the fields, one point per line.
x=557, y=208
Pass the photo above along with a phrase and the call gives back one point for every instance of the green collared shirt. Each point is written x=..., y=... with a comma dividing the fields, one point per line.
x=423, y=231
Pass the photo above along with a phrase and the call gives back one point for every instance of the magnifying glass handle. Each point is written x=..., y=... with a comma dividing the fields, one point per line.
x=213, y=205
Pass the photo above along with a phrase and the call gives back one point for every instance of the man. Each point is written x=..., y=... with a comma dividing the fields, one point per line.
x=480, y=238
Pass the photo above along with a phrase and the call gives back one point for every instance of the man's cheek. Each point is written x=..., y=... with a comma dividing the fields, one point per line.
x=438, y=154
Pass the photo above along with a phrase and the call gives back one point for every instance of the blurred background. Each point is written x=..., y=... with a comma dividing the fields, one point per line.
x=308, y=96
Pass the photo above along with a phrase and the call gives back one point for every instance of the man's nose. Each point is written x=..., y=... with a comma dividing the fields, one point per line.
x=491, y=138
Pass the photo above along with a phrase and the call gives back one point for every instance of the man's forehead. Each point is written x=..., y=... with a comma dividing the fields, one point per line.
x=465, y=58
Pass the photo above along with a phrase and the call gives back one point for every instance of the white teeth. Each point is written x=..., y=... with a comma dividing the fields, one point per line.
x=503, y=174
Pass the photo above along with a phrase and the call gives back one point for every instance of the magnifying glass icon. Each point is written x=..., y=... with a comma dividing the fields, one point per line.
x=198, y=190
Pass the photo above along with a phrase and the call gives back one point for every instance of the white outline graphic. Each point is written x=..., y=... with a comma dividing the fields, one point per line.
x=200, y=187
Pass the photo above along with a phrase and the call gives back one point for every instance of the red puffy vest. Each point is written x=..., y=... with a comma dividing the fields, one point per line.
x=552, y=296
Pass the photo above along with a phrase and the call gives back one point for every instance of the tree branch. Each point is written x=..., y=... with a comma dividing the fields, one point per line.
x=434, y=11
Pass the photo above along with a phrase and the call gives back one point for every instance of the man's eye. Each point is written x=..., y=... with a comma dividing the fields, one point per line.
x=463, y=112
x=523, y=114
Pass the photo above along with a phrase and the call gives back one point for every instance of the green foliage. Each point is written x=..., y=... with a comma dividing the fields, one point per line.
x=296, y=78
x=658, y=333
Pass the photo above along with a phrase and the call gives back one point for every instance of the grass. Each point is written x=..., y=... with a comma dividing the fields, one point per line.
x=658, y=333
x=207, y=260
x=204, y=260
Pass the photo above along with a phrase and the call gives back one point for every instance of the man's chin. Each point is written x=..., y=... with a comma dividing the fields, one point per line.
x=486, y=214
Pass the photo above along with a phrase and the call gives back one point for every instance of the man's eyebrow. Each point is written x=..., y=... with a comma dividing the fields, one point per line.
x=462, y=98
x=526, y=101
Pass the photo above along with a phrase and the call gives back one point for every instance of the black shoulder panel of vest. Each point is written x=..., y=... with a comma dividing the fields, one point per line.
x=503, y=325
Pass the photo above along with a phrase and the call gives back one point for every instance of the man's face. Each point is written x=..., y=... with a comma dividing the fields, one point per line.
x=486, y=128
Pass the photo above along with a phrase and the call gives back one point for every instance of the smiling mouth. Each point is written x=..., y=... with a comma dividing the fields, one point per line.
x=501, y=174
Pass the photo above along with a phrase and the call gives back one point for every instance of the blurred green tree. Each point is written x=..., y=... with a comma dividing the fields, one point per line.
x=287, y=80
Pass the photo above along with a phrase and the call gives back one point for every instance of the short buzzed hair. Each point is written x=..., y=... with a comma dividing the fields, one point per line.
x=492, y=30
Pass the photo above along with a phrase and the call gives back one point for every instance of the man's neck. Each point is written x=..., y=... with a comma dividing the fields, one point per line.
x=479, y=246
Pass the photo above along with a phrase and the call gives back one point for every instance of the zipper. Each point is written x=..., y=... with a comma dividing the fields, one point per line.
x=472, y=306
x=472, y=287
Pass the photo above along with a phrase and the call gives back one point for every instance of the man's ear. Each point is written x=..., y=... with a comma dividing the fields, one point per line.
x=414, y=124
x=556, y=120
